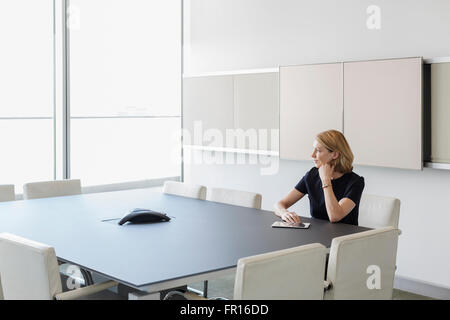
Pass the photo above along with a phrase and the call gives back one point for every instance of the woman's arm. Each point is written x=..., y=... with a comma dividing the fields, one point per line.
x=281, y=206
x=336, y=210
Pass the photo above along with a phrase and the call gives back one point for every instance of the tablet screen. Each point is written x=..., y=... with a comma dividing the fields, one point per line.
x=284, y=224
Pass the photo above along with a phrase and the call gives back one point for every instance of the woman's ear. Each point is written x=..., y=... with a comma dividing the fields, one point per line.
x=334, y=158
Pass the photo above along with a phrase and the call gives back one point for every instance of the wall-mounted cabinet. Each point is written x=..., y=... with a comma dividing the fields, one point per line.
x=440, y=113
x=208, y=103
x=256, y=101
x=246, y=101
x=310, y=102
x=376, y=104
x=383, y=112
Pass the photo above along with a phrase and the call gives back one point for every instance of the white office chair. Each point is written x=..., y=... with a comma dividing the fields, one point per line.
x=179, y=189
x=31, y=272
x=7, y=192
x=378, y=211
x=235, y=197
x=289, y=274
x=55, y=188
x=185, y=190
x=362, y=265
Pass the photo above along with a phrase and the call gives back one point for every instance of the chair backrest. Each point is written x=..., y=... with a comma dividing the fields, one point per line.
x=185, y=189
x=377, y=211
x=55, y=188
x=7, y=192
x=289, y=274
x=362, y=265
x=30, y=271
x=235, y=197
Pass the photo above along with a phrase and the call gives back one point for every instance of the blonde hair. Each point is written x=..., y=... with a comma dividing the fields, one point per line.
x=334, y=140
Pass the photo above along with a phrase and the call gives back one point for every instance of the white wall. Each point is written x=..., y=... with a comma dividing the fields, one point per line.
x=246, y=34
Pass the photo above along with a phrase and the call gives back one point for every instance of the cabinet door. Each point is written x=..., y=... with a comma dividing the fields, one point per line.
x=383, y=112
x=440, y=112
x=311, y=101
x=208, y=109
x=256, y=107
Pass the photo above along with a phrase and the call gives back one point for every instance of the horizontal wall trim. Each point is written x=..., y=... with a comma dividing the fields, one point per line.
x=437, y=165
x=231, y=72
x=421, y=288
x=123, y=117
x=90, y=117
x=436, y=60
x=276, y=69
x=26, y=118
x=233, y=150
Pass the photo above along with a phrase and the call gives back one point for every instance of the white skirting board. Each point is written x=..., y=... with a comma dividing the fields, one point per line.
x=422, y=288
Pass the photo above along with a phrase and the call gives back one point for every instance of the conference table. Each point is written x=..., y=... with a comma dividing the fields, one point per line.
x=203, y=240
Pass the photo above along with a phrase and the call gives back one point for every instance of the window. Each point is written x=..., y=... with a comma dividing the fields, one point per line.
x=125, y=90
x=123, y=85
x=26, y=86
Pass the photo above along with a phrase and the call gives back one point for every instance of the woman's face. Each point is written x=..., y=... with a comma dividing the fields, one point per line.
x=321, y=155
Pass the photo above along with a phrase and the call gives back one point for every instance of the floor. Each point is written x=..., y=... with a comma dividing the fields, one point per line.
x=223, y=287
x=404, y=295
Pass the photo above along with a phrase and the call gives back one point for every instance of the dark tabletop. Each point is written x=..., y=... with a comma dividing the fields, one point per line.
x=201, y=237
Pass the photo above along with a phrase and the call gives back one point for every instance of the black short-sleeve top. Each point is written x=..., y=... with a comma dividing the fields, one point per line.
x=350, y=185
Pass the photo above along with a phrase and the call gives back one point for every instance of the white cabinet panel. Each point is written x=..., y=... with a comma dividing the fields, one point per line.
x=217, y=103
x=256, y=101
x=383, y=112
x=311, y=101
x=256, y=106
x=208, y=102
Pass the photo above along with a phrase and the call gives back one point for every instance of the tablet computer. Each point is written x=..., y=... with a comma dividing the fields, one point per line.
x=284, y=224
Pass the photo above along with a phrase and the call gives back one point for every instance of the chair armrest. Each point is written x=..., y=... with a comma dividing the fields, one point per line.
x=81, y=292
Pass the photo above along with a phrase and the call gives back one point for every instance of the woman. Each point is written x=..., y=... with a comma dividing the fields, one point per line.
x=334, y=190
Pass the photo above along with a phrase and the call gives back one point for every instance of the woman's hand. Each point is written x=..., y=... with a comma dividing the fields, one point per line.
x=290, y=217
x=326, y=172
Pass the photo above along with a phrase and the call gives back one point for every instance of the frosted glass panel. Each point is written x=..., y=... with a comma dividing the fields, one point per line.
x=125, y=58
x=27, y=151
x=26, y=58
x=107, y=151
x=440, y=112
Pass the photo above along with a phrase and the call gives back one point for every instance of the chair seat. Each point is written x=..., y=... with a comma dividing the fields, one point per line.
x=31, y=272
